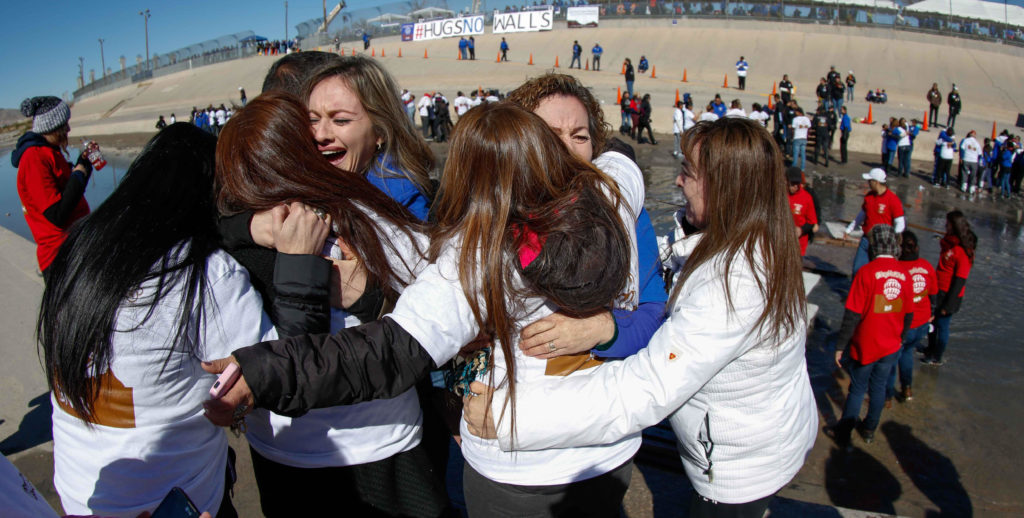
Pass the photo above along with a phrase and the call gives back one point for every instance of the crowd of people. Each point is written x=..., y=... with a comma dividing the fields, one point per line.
x=369, y=308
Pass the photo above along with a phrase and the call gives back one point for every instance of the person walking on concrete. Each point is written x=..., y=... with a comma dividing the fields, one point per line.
x=956, y=257
x=845, y=126
x=677, y=127
x=645, y=121
x=629, y=77
x=923, y=279
x=786, y=89
x=597, y=51
x=953, y=100
x=504, y=49
x=970, y=150
x=823, y=127
x=471, y=45
x=934, y=97
x=881, y=207
x=800, y=125
x=577, y=53
x=879, y=311
x=741, y=72
x=366, y=40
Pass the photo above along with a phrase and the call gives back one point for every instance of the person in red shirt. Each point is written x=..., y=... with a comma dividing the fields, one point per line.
x=881, y=206
x=879, y=311
x=956, y=257
x=52, y=194
x=922, y=276
x=801, y=205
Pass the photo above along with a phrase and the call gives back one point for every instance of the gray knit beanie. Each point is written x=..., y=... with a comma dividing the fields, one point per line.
x=48, y=113
x=883, y=241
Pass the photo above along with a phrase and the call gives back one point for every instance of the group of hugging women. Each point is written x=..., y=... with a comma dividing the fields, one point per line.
x=309, y=246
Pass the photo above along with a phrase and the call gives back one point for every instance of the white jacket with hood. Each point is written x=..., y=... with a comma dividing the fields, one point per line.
x=742, y=409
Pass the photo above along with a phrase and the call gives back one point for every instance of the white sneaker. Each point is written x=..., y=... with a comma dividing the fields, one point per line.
x=963, y=187
x=973, y=188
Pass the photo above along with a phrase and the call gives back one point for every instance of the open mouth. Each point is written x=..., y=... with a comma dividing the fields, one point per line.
x=334, y=156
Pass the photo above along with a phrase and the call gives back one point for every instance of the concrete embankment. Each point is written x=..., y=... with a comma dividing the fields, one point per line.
x=905, y=64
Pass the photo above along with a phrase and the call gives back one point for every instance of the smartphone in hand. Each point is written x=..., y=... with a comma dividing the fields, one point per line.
x=225, y=381
x=176, y=505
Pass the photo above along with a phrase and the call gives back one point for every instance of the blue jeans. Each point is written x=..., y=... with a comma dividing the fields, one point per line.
x=629, y=88
x=869, y=379
x=1004, y=181
x=837, y=104
x=938, y=339
x=626, y=120
x=905, y=363
x=861, y=257
x=903, y=154
x=849, y=93
x=800, y=151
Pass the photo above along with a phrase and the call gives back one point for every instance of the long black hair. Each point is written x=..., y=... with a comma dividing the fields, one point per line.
x=159, y=224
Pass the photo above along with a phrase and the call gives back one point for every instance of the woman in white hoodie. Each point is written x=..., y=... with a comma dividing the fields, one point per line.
x=727, y=367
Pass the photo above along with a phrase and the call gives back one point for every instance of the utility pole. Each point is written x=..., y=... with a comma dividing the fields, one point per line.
x=325, y=15
x=103, y=60
x=145, y=19
x=81, y=70
x=286, y=20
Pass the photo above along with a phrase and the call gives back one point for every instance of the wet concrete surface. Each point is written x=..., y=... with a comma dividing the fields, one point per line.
x=954, y=450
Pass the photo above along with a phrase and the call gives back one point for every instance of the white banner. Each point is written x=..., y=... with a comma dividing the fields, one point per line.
x=585, y=16
x=448, y=28
x=524, y=21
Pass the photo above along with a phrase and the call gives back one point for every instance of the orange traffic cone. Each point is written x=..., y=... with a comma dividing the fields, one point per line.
x=993, y=130
x=498, y=58
x=399, y=51
x=925, y=126
x=556, y=62
x=353, y=51
x=341, y=51
x=773, y=89
x=424, y=53
x=623, y=69
x=684, y=75
x=382, y=53
x=677, y=97
x=373, y=52
x=725, y=82
x=618, y=95
x=870, y=119
x=770, y=101
x=458, y=55
x=652, y=71
x=588, y=64
x=531, y=59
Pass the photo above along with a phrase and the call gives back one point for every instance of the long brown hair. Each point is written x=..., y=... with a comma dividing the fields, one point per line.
x=378, y=93
x=746, y=200
x=266, y=156
x=532, y=92
x=508, y=174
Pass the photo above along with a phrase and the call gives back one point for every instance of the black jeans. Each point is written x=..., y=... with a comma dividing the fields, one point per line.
x=933, y=114
x=597, y=497
x=743, y=82
x=701, y=507
x=597, y=62
x=843, y=137
x=401, y=485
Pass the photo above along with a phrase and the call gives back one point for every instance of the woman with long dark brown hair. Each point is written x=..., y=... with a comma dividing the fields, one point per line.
x=727, y=367
x=541, y=231
x=956, y=257
x=367, y=455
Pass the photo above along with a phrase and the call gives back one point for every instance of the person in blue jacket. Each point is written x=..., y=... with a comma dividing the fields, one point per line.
x=644, y=65
x=597, y=51
x=845, y=127
x=504, y=50
x=463, y=48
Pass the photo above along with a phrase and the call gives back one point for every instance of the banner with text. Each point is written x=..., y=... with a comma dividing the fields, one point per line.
x=585, y=16
x=524, y=21
x=447, y=28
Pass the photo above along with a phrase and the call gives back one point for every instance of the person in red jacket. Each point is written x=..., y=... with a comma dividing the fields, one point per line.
x=801, y=205
x=956, y=257
x=52, y=194
x=881, y=206
x=922, y=276
x=878, y=313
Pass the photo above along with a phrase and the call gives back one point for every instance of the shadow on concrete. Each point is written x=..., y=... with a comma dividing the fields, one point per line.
x=857, y=480
x=36, y=427
x=670, y=491
x=931, y=472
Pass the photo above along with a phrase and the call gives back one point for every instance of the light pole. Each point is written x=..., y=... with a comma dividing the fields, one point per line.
x=286, y=21
x=81, y=70
x=145, y=20
x=103, y=60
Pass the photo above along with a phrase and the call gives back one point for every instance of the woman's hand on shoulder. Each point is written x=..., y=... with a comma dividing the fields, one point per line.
x=298, y=229
x=559, y=334
x=476, y=411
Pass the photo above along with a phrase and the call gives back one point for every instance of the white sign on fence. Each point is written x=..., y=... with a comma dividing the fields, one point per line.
x=448, y=28
x=524, y=21
x=585, y=16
